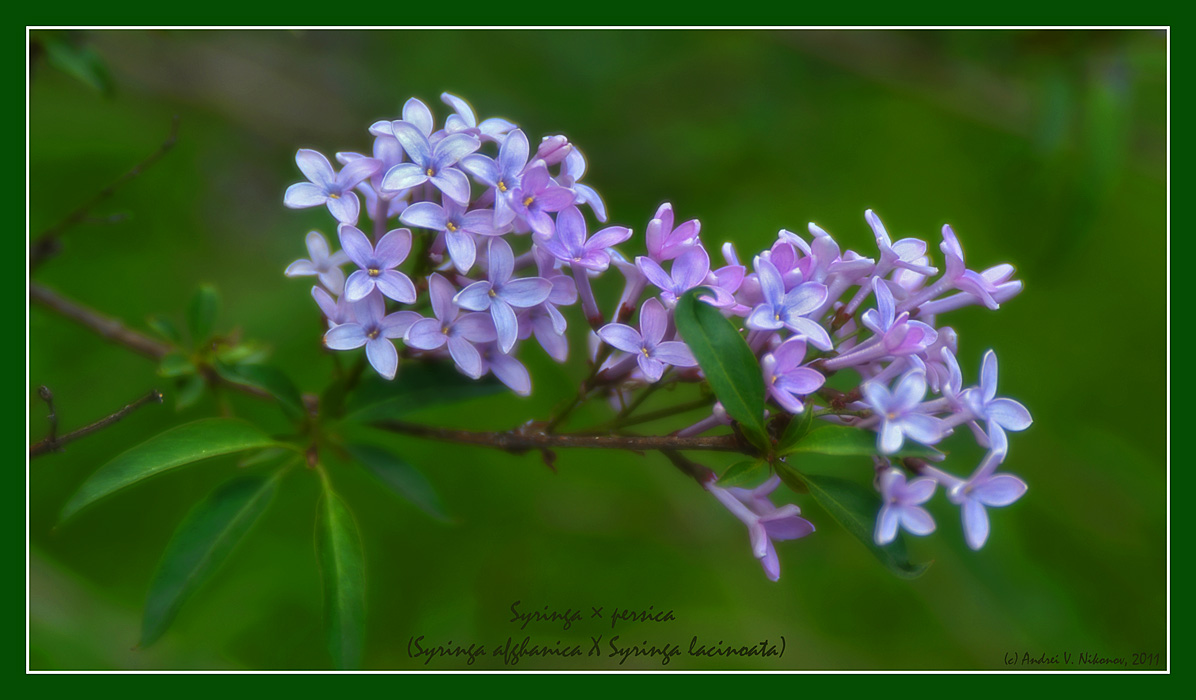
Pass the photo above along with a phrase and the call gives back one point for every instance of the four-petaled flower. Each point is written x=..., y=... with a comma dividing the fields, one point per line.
x=898, y=412
x=569, y=245
x=645, y=344
x=781, y=309
x=457, y=225
x=784, y=377
x=765, y=522
x=499, y=293
x=1001, y=414
x=377, y=264
x=984, y=488
x=902, y=505
x=374, y=329
x=452, y=329
x=536, y=196
x=431, y=163
x=325, y=186
x=322, y=264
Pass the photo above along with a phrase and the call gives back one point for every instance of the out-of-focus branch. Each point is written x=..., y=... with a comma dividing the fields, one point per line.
x=106, y=326
x=52, y=443
x=535, y=438
x=46, y=245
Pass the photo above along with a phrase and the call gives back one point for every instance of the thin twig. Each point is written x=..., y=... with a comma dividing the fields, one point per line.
x=46, y=245
x=534, y=438
x=699, y=473
x=107, y=327
x=53, y=444
x=48, y=396
x=703, y=402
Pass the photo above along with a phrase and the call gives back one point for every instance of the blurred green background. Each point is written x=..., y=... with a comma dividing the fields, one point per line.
x=1046, y=149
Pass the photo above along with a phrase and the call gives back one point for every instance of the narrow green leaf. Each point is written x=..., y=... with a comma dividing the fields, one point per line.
x=165, y=327
x=269, y=379
x=855, y=507
x=78, y=61
x=747, y=472
x=342, y=566
x=190, y=391
x=184, y=444
x=202, y=542
x=418, y=386
x=841, y=440
x=201, y=314
x=402, y=478
x=797, y=429
x=727, y=361
x=175, y=364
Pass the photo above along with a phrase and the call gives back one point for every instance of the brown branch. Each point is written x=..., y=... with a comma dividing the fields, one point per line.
x=53, y=444
x=533, y=438
x=46, y=245
x=107, y=327
x=115, y=331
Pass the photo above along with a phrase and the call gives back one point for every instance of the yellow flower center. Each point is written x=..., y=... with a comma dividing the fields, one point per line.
x=373, y=334
x=502, y=186
x=451, y=226
x=528, y=202
x=374, y=272
x=429, y=172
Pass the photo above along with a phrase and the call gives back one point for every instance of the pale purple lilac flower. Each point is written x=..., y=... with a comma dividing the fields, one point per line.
x=323, y=264
x=688, y=271
x=765, y=522
x=572, y=171
x=377, y=264
x=645, y=345
x=449, y=327
x=375, y=330
x=431, y=163
x=465, y=121
x=899, y=335
x=506, y=368
x=665, y=242
x=899, y=415
x=1000, y=414
x=336, y=311
x=787, y=309
x=499, y=293
x=457, y=225
x=569, y=244
x=984, y=489
x=902, y=506
x=784, y=377
x=504, y=175
x=536, y=196
x=325, y=186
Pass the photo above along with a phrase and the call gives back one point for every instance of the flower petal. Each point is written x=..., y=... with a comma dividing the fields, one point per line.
x=315, y=167
x=999, y=490
x=346, y=336
x=303, y=195
x=382, y=355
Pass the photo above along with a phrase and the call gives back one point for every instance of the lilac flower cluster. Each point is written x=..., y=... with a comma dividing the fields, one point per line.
x=808, y=310
x=466, y=196
x=503, y=244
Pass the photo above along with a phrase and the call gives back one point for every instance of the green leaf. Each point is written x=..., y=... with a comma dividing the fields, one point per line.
x=418, y=386
x=201, y=313
x=841, y=440
x=269, y=379
x=797, y=429
x=855, y=508
x=184, y=444
x=202, y=542
x=190, y=392
x=77, y=61
x=175, y=364
x=749, y=471
x=402, y=478
x=342, y=566
x=165, y=327
x=727, y=361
